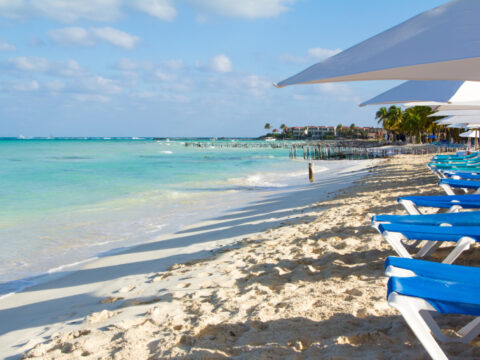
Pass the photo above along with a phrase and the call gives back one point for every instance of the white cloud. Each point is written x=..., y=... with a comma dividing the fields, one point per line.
x=247, y=9
x=116, y=37
x=313, y=54
x=87, y=37
x=6, y=46
x=25, y=86
x=161, y=9
x=72, y=11
x=30, y=63
x=126, y=64
x=173, y=64
x=321, y=54
x=55, y=85
x=221, y=63
x=71, y=36
x=67, y=11
x=255, y=85
x=91, y=97
x=99, y=84
x=163, y=76
x=70, y=68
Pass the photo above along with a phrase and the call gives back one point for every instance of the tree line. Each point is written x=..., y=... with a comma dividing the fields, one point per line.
x=414, y=124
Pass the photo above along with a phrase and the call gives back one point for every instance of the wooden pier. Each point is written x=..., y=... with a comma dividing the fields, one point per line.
x=353, y=153
x=331, y=149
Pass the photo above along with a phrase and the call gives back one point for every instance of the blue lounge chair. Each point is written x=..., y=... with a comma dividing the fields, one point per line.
x=468, y=218
x=448, y=184
x=456, y=156
x=405, y=267
x=459, y=175
x=451, y=202
x=416, y=297
x=397, y=234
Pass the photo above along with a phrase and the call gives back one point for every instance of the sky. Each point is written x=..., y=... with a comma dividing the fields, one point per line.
x=182, y=68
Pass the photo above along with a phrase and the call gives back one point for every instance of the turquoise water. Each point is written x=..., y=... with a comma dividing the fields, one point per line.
x=64, y=201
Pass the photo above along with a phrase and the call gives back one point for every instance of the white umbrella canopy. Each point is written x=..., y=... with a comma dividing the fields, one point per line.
x=433, y=93
x=469, y=134
x=456, y=113
x=456, y=107
x=459, y=120
x=439, y=44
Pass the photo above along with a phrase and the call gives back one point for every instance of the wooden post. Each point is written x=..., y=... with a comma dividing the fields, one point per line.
x=310, y=172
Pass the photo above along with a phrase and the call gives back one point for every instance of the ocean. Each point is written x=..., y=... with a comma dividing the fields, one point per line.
x=64, y=201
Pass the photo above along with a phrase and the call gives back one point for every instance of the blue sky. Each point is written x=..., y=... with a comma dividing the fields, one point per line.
x=181, y=67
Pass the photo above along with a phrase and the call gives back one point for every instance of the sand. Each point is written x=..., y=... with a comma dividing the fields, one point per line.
x=309, y=287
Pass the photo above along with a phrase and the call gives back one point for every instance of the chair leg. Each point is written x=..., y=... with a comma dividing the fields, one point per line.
x=428, y=248
x=462, y=245
x=410, y=309
x=395, y=241
x=470, y=331
x=448, y=190
x=410, y=207
x=454, y=209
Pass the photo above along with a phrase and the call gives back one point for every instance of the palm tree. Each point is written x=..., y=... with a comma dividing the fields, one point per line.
x=416, y=122
x=267, y=126
x=390, y=119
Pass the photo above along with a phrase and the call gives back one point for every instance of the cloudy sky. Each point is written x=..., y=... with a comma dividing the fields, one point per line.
x=181, y=67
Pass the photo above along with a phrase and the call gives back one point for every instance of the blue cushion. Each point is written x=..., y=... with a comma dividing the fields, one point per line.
x=471, y=218
x=446, y=297
x=469, y=184
x=436, y=233
x=445, y=201
x=440, y=271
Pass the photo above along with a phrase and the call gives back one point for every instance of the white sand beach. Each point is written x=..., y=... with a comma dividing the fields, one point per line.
x=289, y=277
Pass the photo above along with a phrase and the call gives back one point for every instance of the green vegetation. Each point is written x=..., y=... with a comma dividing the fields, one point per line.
x=413, y=124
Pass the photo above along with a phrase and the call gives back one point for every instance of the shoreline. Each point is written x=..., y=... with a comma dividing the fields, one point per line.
x=249, y=188
x=31, y=306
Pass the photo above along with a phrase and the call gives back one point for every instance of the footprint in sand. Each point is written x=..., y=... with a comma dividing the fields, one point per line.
x=100, y=316
x=126, y=289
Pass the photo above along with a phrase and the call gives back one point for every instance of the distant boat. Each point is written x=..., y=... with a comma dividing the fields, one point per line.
x=270, y=139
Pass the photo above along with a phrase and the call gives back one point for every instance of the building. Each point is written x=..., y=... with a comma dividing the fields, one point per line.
x=298, y=131
x=319, y=132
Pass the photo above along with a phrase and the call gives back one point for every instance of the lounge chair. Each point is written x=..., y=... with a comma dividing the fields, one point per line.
x=451, y=202
x=456, y=156
x=468, y=218
x=472, y=175
x=416, y=297
x=397, y=234
x=448, y=184
x=405, y=267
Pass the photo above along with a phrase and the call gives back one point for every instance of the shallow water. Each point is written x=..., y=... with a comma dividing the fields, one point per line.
x=64, y=201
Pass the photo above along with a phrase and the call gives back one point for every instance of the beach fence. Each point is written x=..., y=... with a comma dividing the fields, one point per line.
x=334, y=149
x=319, y=152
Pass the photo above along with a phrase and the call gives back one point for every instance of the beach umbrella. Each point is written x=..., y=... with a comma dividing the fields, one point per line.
x=459, y=120
x=439, y=44
x=456, y=113
x=430, y=93
x=468, y=134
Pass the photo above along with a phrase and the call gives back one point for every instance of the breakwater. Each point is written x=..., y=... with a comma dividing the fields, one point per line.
x=319, y=152
x=333, y=149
